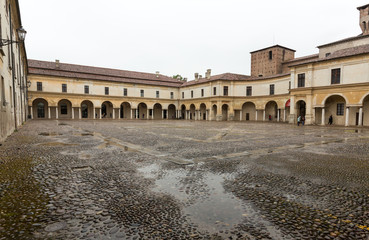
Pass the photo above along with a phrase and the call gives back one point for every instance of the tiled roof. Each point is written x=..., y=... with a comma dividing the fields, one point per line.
x=102, y=74
x=301, y=58
x=269, y=77
x=273, y=47
x=224, y=76
x=348, y=52
x=344, y=40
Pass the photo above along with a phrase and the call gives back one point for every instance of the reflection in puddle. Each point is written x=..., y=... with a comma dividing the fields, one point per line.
x=205, y=202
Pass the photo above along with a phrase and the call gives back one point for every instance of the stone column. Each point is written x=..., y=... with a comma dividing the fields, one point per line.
x=94, y=112
x=360, y=116
x=284, y=115
x=120, y=113
x=56, y=112
x=264, y=115
x=241, y=115
x=79, y=113
x=49, y=112
x=31, y=112
x=278, y=115
x=211, y=113
x=186, y=115
x=130, y=114
x=100, y=113
x=162, y=113
x=256, y=115
x=113, y=115
x=347, y=116
x=148, y=112
x=72, y=113
x=323, y=117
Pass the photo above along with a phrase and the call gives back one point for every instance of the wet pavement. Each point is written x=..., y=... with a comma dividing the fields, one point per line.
x=184, y=180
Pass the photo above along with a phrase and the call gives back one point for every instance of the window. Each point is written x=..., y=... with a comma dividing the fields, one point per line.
x=142, y=92
x=289, y=85
x=225, y=91
x=364, y=24
x=63, y=109
x=191, y=93
x=87, y=90
x=301, y=80
x=157, y=94
x=125, y=92
x=271, y=89
x=270, y=55
x=182, y=94
x=327, y=54
x=215, y=91
x=336, y=76
x=249, y=91
x=3, y=100
x=340, y=109
x=202, y=92
x=64, y=87
x=106, y=90
x=171, y=95
x=39, y=86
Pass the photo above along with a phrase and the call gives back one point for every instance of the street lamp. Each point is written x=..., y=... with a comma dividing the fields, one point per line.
x=21, y=35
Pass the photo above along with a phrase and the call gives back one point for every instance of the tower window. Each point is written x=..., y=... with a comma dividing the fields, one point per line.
x=270, y=55
x=364, y=23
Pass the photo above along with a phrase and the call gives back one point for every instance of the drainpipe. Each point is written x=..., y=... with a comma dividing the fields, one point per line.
x=13, y=70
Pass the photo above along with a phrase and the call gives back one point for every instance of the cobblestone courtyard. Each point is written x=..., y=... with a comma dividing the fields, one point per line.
x=184, y=180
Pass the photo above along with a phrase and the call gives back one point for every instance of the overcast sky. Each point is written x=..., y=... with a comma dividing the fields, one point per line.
x=181, y=36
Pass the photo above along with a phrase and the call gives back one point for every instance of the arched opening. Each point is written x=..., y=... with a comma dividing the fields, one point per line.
x=142, y=111
x=271, y=111
x=224, y=112
x=365, y=113
x=215, y=112
x=158, y=111
x=106, y=110
x=202, y=111
x=301, y=108
x=287, y=109
x=172, y=111
x=65, y=109
x=87, y=109
x=125, y=110
x=183, y=112
x=335, y=106
x=40, y=108
x=248, y=111
x=192, y=111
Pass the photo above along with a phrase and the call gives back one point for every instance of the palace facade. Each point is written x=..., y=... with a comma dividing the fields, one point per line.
x=334, y=82
x=13, y=70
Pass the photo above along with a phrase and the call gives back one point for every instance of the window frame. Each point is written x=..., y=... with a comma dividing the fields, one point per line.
x=248, y=91
x=157, y=94
x=106, y=90
x=336, y=76
x=125, y=92
x=142, y=93
x=225, y=91
x=301, y=80
x=340, y=111
x=202, y=92
x=214, y=91
x=182, y=95
x=63, y=109
x=271, y=89
x=191, y=93
x=87, y=87
x=64, y=88
x=39, y=86
x=171, y=95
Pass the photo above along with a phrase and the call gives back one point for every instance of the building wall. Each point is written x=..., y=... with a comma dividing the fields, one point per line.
x=262, y=65
x=13, y=102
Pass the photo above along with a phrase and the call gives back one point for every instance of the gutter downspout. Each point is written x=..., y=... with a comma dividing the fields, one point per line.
x=13, y=70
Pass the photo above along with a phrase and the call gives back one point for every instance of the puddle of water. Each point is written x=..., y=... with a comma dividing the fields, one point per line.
x=56, y=144
x=205, y=201
x=84, y=134
x=50, y=134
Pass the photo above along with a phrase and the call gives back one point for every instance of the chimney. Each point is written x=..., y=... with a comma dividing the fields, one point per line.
x=185, y=79
x=196, y=76
x=200, y=76
x=157, y=74
x=208, y=74
x=364, y=19
x=57, y=66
